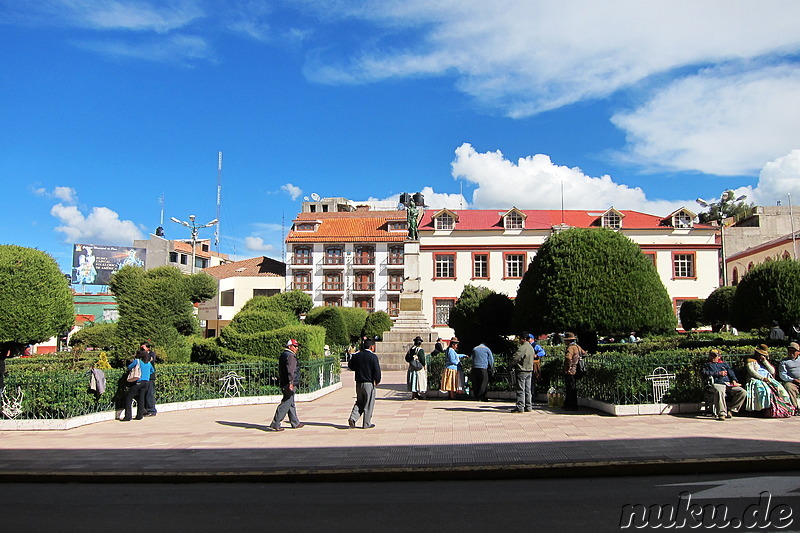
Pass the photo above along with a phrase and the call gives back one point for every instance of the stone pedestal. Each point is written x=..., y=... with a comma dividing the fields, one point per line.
x=410, y=321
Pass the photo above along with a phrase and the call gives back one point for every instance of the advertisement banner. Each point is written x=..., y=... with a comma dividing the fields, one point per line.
x=93, y=264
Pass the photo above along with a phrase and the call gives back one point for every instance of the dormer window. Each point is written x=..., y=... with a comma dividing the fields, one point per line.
x=305, y=227
x=612, y=219
x=445, y=221
x=514, y=220
x=682, y=219
x=397, y=226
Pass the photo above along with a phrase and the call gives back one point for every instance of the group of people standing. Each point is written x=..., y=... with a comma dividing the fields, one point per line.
x=770, y=391
x=525, y=364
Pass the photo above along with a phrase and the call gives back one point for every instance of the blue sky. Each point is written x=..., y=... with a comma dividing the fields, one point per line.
x=108, y=105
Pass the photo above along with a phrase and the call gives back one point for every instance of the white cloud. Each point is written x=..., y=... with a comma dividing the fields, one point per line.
x=777, y=179
x=720, y=121
x=293, y=191
x=528, y=57
x=101, y=226
x=164, y=49
x=67, y=195
x=257, y=244
x=136, y=15
x=535, y=182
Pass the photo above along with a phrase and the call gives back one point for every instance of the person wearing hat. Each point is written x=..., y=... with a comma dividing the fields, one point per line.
x=417, y=377
x=572, y=357
x=288, y=379
x=764, y=393
x=789, y=372
x=522, y=363
x=729, y=396
x=368, y=375
x=482, y=363
x=452, y=378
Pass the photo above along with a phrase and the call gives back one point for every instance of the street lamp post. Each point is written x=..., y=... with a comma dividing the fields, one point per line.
x=718, y=209
x=194, y=227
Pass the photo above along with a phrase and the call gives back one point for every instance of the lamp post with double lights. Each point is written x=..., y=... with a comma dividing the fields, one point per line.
x=719, y=210
x=194, y=227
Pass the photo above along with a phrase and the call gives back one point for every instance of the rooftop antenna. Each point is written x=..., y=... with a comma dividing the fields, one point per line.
x=219, y=198
x=161, y=203
x=562, y=202
x=315, y=197
x=461, y=193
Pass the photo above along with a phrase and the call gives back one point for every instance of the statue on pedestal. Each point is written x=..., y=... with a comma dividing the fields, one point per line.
x=413, y=216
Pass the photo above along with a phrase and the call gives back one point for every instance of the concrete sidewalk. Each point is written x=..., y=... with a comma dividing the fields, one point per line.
x=428, y=439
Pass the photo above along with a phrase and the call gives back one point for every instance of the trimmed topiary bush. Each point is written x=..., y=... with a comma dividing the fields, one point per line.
x=332, y=319
x=376, y=324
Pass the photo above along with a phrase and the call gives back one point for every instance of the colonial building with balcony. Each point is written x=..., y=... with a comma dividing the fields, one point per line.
x=348, y=258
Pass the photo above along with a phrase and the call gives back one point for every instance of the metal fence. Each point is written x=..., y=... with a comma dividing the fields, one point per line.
x=59, y=395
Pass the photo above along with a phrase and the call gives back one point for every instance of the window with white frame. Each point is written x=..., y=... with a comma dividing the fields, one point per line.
x=444, y=266
x=514, y=265
x=612, y=220
x=442, y=308
x=681, y=219
x=683, y=265
x=445, y=221
x=480, y=266
x=514, y=220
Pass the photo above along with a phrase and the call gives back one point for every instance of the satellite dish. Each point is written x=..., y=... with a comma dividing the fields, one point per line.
x=315, y=196
x=305, y=198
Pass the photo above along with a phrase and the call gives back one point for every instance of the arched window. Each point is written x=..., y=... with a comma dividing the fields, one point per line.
x=735, y=276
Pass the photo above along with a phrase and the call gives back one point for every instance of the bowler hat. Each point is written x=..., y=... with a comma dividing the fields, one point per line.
x=569, y=336
x=417, y=339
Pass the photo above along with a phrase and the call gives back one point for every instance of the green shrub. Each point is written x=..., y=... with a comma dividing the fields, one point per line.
x=270, y=344
x=354, y=320
x=691, y=314
x=376, y=324
x=249, y=322
x=101, y=336
x=332, y=319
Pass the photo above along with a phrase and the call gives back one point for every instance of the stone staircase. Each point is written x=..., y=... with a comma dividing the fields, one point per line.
x=392, y=349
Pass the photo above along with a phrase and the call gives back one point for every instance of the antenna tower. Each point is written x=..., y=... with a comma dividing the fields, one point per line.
x=219, y=198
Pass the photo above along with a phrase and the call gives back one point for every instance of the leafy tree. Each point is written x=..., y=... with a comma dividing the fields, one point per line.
x=481, y=315
x=377, y=324
x=332, y=319
x=101, y=336
x=201, y=287
x=156, y=305
x=769, y=292
x=590, y=280
x=718, y=307
x=354, y=320
x=692, y=314
x=36, y=298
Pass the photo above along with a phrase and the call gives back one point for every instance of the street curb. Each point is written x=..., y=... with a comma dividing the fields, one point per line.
x=726, y=465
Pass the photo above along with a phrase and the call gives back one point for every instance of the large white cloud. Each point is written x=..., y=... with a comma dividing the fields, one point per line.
x=100, y=226
x=721, y=121
x=535, y=182
x=777, y=179
x=527, y=57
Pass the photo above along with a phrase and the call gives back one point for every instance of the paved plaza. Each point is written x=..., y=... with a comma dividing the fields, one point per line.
x=433, y=439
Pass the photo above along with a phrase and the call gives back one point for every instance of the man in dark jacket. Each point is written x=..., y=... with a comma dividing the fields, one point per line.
x=368, y=375
x=288, y=379
x=729, y=396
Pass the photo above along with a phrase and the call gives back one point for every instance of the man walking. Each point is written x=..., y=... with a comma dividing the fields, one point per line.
x=522, y=362
x=368, y=376
x=482, y=361
x=288, y=379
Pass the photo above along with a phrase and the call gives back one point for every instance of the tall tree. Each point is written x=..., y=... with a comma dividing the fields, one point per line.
x=691, y=314
x=156, y=305
x=718, y=307
x=481, y=316
x=591, y=280
x=36, y=298
x=769, y=292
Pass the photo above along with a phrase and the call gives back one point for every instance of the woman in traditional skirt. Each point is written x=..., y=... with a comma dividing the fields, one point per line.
x=452, y=380
x=417, y=377
x=762, y=388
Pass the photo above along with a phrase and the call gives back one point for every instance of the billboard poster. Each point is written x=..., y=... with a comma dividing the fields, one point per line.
x=93, y=264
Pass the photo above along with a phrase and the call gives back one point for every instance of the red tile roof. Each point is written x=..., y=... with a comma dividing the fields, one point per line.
x=257, y=266
x=484, y=219
x=353, y=226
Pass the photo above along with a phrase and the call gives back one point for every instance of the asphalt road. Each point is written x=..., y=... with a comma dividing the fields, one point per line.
x=745, y=503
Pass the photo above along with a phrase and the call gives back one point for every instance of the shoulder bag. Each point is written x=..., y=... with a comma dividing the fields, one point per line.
x=135, y=373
